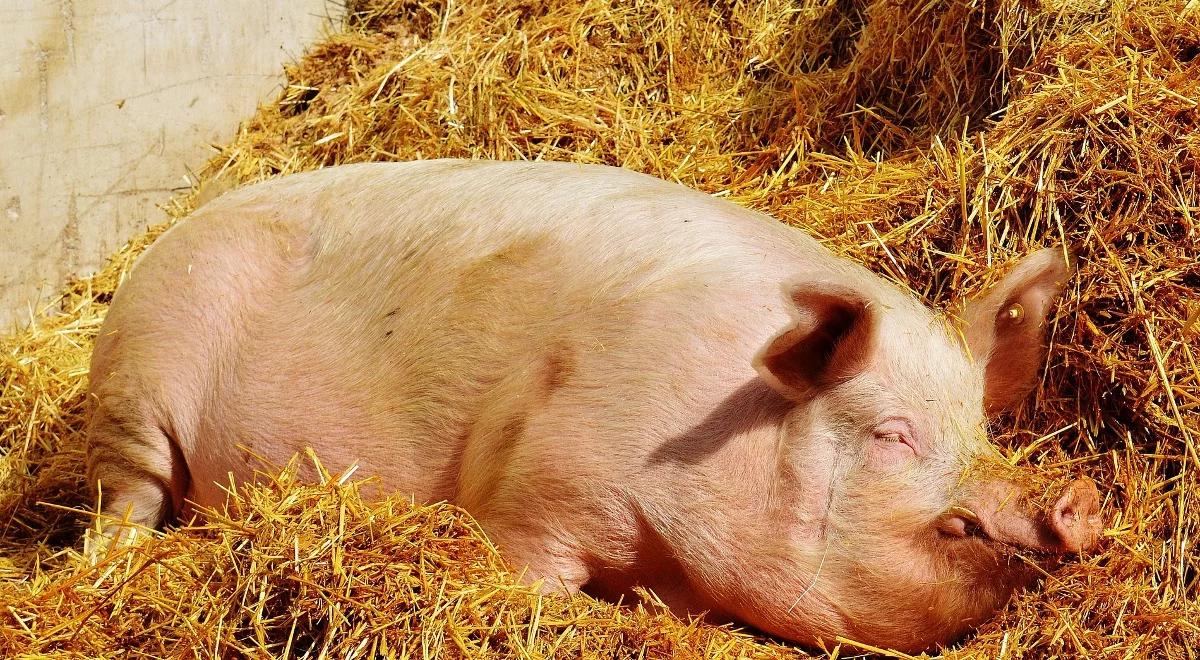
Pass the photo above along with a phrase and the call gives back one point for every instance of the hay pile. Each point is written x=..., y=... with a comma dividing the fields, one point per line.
x=931, y=139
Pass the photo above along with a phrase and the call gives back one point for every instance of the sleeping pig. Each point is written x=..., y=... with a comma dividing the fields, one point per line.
x=626, y=382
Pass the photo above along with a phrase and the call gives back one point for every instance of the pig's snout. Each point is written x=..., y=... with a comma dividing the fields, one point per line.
x=1076, y=516
x=998, y=513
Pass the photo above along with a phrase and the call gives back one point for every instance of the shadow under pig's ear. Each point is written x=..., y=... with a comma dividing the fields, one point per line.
x=752, y=405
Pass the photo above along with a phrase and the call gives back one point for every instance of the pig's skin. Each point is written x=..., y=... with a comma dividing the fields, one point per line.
x=582, y=358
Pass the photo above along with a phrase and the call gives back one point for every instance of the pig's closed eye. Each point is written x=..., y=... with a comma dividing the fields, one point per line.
x=896, y=434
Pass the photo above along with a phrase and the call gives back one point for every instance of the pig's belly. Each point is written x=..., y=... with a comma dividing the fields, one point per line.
x=255, y=447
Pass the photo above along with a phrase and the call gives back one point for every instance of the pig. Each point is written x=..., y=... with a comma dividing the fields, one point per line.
x=625, y=381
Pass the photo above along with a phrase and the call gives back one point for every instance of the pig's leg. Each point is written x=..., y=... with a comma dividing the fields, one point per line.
x=537, y=557
x=134, y=468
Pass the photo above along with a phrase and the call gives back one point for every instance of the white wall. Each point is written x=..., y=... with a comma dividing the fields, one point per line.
x=105, y=104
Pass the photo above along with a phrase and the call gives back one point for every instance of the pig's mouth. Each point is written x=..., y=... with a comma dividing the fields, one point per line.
x=964, y=532
x=961, y=525
x=1007, y=519
x=979, y=542
x=961, y=522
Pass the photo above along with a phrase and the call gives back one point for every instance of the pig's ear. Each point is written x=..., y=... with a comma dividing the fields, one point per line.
x=830, y=340
x=1006, y=327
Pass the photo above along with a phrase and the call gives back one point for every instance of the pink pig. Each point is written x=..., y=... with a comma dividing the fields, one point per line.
x=625, y=381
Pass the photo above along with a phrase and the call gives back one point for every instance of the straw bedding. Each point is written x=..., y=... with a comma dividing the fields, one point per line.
x=933, y=140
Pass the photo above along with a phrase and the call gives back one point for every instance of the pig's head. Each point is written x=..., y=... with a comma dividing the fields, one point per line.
x=910, y=526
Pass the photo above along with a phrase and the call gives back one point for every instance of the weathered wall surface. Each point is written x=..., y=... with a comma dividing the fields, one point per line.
x=104, y=105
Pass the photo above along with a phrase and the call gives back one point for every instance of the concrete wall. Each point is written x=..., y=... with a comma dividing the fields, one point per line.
x=105, y=104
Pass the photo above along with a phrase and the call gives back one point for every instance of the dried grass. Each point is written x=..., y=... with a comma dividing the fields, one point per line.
x=932, y=140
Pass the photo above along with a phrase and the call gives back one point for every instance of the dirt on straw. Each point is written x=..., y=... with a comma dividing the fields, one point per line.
x=932, y=140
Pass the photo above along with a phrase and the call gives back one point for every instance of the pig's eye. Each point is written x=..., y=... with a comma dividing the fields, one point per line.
x=896, y=433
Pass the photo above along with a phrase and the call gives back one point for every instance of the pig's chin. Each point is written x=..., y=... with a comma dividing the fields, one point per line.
x=935, y=596
x=978, y=576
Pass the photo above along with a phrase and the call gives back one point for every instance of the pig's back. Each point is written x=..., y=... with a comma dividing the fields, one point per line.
x=395, y=313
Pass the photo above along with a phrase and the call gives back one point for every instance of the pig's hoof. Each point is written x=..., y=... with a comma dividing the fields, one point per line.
x=108, y=540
